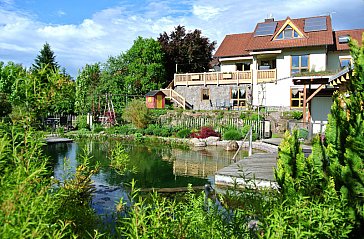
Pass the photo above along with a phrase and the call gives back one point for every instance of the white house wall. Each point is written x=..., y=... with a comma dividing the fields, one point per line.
x=279, y=94
x=333, y=62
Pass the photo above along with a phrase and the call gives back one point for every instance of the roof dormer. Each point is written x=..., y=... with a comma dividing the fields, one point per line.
x=288, y=31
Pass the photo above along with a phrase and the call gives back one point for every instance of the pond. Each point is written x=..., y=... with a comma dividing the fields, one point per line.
x=157, y=166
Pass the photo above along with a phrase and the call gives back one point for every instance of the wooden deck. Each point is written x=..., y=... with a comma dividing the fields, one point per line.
x=54, y=140
x=256, y=171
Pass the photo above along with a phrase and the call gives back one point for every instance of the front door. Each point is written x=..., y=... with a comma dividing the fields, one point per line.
x=159, y=101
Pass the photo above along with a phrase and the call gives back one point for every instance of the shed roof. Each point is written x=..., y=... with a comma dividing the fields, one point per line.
x=154, y=92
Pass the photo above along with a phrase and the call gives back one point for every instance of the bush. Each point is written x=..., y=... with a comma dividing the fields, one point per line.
x=97, y=128
x=137, y=113
x=184, y=133
x=245, y=130
x=302, y=133
x=81, y=122
x=204, y=133
x=232, y=134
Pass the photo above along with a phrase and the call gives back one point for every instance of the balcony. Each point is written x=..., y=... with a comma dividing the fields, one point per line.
x=266, y=76
x=213, y=78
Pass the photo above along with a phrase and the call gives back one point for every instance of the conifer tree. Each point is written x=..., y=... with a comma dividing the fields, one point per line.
x=45, y=63
x=345, y=138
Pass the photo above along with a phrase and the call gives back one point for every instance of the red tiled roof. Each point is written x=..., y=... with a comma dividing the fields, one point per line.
x=234, y=45
x=317, y=38
x=354, y=34
x=242, y=44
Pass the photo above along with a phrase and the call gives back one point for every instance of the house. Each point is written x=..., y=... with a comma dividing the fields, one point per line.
x=285, y=63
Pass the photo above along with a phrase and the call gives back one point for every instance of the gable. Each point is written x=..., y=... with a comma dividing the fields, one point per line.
x=288, y=31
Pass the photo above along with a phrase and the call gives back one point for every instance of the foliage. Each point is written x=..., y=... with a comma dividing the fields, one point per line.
x=81, y=122
x=194, y=217
x=145, y=70
x=232, y=134
x=344, y=151
x=120, y=160
x=293, y=114
x=76, y=195
x=245, y=131
x=251, y=115
x=189, y=50
x=307, y=217
x=137, y=113
x=184, y=133
x=5, y=105
x=302, y=133
x=86, y=88
x=45, y=63
x=97, y=128
x=205, y=132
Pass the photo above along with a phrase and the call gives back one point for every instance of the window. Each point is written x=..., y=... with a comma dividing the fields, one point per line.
x=205, y=94
x=288, y=33
x=344, y=62
x=299, y=64
x=238, y=97
x=296, y=98
x=242, y=66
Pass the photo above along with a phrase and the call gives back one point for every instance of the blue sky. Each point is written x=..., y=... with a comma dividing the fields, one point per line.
x=87, y=31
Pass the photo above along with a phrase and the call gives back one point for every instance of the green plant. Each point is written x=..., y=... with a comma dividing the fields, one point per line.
x=302, y=133
x=97, y=128
x=138, y=137
x=232, y=134
x=137, y=113
x=120, y=160
x=297, y=115
x=184, y=133
x=81, y=122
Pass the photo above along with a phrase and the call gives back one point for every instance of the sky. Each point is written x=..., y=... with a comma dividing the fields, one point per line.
x=84, y=32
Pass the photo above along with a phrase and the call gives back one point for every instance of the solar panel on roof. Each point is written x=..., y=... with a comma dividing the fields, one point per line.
x=265, y=29
x=315, y=24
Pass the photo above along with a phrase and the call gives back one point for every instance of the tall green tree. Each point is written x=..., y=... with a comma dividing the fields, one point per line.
x=145, y=69
x=87, y=83
x=191, y=51
x=45, y=62
x=345, y=138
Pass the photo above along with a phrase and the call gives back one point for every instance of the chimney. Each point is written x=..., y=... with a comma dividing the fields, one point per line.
x=269, y=18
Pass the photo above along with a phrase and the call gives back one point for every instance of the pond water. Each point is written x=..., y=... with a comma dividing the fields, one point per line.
x=157, y=166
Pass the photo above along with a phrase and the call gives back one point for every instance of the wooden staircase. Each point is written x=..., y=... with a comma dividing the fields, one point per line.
x=175, y=97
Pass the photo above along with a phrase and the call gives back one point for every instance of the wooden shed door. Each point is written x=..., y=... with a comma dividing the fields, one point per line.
x=159, y=101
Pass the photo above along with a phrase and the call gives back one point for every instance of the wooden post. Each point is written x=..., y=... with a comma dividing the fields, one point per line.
x=304, y=104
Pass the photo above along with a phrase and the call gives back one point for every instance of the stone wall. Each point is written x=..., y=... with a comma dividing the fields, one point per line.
x=218, y=95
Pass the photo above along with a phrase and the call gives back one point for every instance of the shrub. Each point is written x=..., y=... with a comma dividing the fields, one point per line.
x=81, y=122
x=137, y=113
x=184, y=133
x=97, y=128
x=302, y=133
x=205, y=132
x=232, y=134
x=245, y=130
x=150, y=129
x=297, y=115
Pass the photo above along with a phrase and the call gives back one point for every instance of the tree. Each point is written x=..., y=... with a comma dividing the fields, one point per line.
x=87, y=84
x=190, y=51
x=45, y=62
x=345, y=138
x=145, y=69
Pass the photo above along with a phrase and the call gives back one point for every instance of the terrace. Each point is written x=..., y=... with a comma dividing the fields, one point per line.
x=218, y=78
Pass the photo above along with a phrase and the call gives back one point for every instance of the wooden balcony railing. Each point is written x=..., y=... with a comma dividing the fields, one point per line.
x=267, y=75
x=213, y=78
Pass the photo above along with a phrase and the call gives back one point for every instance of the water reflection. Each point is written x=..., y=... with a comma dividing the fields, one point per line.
x=158, y=166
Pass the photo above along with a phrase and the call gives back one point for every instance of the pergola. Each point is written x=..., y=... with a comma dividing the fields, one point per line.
x=326, y=86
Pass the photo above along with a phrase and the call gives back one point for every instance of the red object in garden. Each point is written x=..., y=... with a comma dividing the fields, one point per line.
x=155, y=99
x=205, y=132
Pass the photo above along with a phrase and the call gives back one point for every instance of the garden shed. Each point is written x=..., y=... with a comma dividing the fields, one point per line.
x=155, y=99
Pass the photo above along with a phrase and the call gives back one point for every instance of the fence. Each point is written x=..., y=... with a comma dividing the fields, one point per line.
x=189, y=122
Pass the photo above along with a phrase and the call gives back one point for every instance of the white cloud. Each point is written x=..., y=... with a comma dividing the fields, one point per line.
x=113, y=30
x=61, y=13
